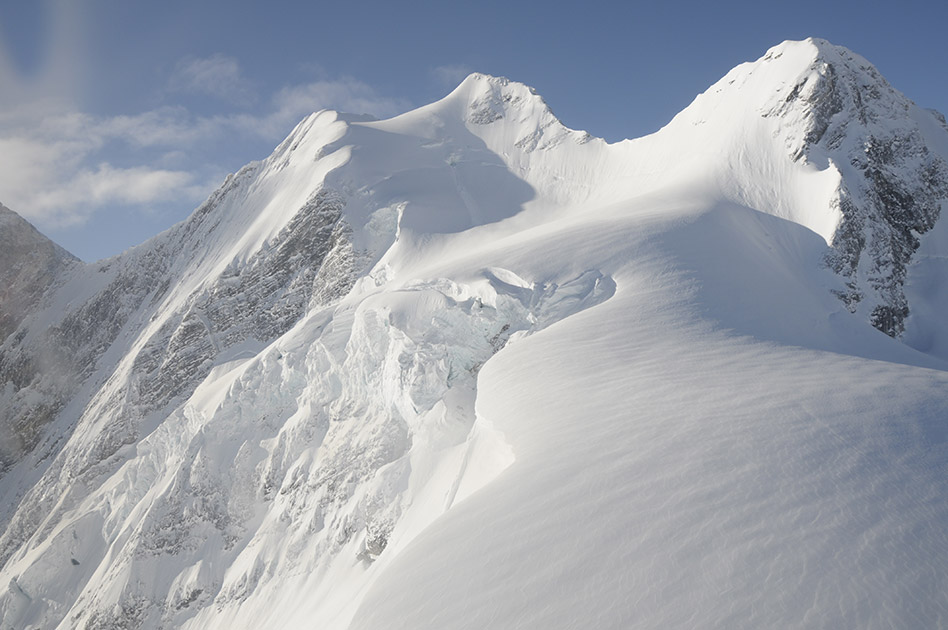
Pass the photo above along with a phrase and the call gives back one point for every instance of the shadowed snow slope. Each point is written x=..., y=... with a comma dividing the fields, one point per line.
x=468, y=368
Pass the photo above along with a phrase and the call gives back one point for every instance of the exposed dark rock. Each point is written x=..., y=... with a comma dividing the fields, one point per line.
x=854, y=117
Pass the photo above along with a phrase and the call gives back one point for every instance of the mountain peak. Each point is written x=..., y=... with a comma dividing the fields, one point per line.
x=868, y=166
x=892, y=185
x=490, y=79
x=19, y=235
x=821, y=80
x=29, y=264
x=490, y=98
x=816, y=49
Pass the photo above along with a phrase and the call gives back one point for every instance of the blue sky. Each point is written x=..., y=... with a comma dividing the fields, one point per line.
x=117, y=118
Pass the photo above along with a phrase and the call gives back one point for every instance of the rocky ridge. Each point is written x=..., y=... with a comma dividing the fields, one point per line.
x=892, y=185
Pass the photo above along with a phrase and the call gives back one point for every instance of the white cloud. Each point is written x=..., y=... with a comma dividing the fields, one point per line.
x=107, y=184
x=218, y=76
x=59, y=166
x=50, y=183
x=53, y=169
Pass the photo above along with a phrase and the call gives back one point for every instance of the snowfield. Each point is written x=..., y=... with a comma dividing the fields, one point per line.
x=467, y=368
x=674, y=470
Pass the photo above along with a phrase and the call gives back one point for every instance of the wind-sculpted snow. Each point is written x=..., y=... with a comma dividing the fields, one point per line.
x=469, y=368
x=682, y=462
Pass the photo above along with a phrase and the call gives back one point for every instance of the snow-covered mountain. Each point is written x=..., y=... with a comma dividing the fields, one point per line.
x=466, y=367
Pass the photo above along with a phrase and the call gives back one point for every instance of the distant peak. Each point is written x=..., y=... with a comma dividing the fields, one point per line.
x=806, y=84
x=485, y=99
x=18, y=233
x=823, y=80
x=814, y=44
x=29, y=264
x=491, y=96
x=814, y=50
x=482, y=78
x=817, y=44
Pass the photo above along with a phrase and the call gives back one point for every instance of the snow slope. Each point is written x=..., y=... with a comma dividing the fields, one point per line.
x=674, y=470
x=468, y=368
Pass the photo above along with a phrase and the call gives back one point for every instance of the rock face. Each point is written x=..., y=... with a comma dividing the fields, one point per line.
x=278, y=394
x=31, y=266
x=50, y=356
x=309, y=262
x=892, y=186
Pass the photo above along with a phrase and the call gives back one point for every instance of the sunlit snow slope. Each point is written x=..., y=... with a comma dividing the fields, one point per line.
x=467, y=368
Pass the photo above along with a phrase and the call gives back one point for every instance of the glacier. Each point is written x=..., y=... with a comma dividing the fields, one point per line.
x=469, y=368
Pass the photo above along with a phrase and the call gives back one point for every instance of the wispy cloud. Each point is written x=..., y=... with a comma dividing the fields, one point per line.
x=46, y=175
x=218, y=76
x=59, y=166
x=106, y=184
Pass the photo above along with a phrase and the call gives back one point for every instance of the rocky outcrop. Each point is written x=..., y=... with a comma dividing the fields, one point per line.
x=31, y=268
x=892, y=184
